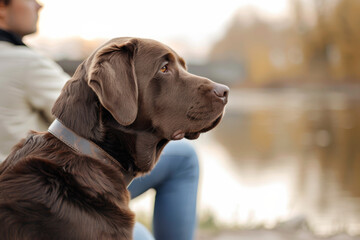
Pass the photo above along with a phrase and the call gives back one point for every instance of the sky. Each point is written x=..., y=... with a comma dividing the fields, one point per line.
x=196, y=24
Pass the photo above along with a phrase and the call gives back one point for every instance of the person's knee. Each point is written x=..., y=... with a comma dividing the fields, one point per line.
x=190, y=157
x=189, y=161
x=182, y=148
x=183, y=157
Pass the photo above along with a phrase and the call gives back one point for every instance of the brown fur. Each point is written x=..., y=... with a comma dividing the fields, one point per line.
x=120, y=100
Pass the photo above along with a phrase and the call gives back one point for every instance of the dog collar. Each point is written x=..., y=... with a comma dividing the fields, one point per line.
x=86, y=147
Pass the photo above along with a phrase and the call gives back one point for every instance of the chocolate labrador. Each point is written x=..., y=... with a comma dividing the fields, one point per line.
x=113, y=118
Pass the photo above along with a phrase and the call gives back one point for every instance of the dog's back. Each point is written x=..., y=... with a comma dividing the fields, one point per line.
x=46, y=194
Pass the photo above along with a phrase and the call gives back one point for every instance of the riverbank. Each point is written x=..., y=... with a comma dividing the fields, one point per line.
x=264, y=234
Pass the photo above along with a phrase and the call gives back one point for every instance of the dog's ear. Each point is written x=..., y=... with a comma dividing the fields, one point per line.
x=113, y=79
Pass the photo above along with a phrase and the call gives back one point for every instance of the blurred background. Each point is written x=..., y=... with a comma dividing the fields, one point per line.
x=285, y=161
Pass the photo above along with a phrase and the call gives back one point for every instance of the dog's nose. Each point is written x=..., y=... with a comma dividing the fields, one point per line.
x=221, y=91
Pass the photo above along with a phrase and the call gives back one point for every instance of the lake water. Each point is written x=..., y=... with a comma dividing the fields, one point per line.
x=283, y=154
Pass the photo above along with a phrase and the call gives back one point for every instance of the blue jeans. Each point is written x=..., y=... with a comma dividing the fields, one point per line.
x=175, y=179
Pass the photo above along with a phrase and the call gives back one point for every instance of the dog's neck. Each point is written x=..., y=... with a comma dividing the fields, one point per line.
x=79, y=109
x=86, y=147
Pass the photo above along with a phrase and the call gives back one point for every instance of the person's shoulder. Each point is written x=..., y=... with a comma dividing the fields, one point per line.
x=26, y=57
x=32, y=65
x=21, y=53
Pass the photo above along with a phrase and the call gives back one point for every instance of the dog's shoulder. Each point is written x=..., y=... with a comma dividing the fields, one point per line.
x=45, y=184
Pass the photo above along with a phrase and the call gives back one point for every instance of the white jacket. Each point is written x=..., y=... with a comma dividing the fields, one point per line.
x=29, y=86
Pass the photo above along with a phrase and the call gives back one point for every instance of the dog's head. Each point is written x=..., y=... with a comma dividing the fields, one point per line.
x=147, y=90
x=145, y=84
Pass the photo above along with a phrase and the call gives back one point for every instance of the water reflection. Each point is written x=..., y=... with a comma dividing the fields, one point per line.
x=290, y=153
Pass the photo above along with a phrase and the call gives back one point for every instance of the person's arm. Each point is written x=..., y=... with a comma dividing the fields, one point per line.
x=44, y=80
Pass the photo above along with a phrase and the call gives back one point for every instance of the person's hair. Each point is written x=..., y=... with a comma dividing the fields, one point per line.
x=6, y=2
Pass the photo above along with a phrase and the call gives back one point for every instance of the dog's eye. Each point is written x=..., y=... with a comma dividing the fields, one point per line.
x=164, y=69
